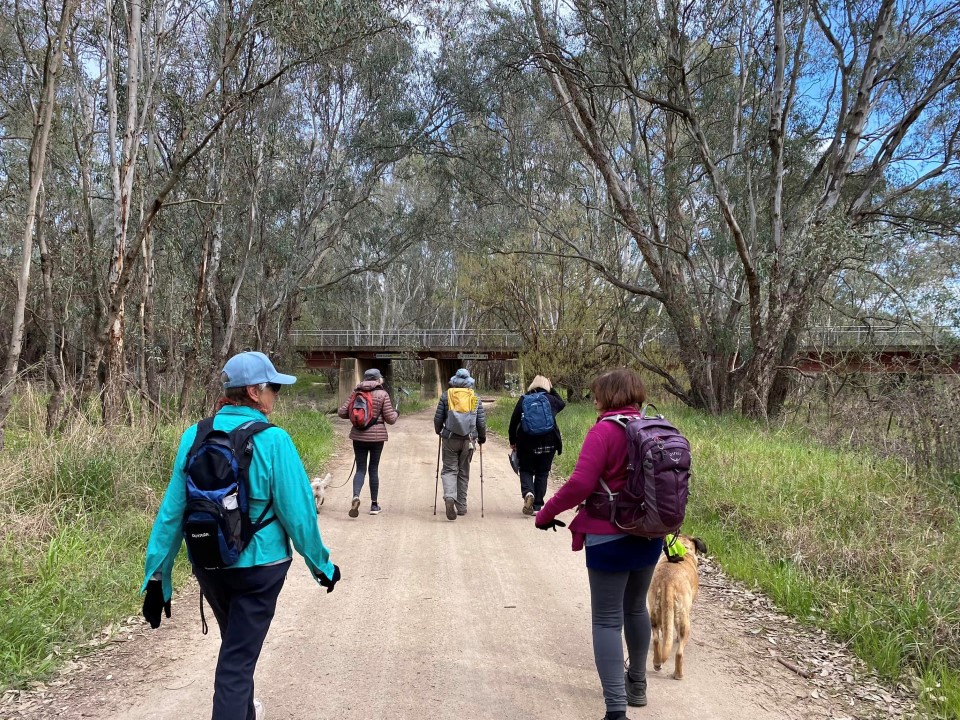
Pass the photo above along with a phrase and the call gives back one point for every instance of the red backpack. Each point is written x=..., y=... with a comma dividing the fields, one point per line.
x=360, y=409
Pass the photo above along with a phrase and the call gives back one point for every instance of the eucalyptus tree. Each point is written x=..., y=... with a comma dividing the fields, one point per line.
x=543, y=256
x=188, y=138
x=42, y=36
x=752, y=152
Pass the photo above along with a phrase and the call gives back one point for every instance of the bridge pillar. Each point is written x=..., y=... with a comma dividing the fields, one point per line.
x=431, y=382
x=513, y=375
x=350, y=374
x=447, y=369
x=352, y=370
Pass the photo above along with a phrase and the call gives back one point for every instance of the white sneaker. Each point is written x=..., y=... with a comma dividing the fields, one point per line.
x=354, y=506
x=258, y=706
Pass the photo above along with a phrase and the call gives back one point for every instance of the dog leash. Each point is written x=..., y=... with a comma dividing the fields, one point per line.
x=679, y=554
x=349, y=477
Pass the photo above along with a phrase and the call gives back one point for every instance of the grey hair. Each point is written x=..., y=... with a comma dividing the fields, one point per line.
x=239, y=396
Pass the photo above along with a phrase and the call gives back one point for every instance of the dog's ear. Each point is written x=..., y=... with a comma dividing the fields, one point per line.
x=700, y=545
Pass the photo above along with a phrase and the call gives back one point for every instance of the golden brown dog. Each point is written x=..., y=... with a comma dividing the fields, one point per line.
x=672, y=592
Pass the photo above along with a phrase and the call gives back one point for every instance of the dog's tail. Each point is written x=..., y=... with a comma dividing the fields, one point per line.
x=669, y=610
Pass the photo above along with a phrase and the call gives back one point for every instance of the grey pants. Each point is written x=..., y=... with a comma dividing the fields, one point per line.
x=618, y=601
x=457, y=453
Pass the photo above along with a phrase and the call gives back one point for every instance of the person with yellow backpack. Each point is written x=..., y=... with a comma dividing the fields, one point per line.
x=459, y=421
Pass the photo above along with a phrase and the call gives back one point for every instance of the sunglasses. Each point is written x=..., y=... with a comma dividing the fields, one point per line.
x=275, y=387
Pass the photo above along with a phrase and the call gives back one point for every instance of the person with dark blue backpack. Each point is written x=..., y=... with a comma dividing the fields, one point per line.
x=535, y=437
x=238, y=496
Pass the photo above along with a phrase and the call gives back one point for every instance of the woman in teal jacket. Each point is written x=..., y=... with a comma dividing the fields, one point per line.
x=243, y=596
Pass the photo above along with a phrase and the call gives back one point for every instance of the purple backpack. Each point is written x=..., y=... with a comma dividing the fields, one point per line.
x=654, y=500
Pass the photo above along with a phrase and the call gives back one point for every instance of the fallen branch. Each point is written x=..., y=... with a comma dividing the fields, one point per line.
x=799, y=671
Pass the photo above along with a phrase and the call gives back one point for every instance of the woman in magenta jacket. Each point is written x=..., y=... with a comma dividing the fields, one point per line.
x=619, y=566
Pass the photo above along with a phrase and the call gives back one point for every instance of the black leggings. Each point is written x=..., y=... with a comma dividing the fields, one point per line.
x=360, y=452
x=618, y=602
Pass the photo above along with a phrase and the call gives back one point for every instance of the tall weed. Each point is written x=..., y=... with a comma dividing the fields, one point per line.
x=75, y=515
x=861, y=546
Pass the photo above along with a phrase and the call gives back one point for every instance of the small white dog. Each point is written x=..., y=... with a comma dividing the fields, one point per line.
x=319, y=486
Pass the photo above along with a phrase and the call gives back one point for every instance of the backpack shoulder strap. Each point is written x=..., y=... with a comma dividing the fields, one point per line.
x=240, y=436
x=620, y=420
x=204, y=428
x=239, y=439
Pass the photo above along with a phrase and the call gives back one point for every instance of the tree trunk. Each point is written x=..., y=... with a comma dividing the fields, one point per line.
x=35, y=168
x=193, y=350
x=51, y=361
x=123, y=170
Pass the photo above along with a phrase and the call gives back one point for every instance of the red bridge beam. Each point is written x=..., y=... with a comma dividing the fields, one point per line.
x=892, y=360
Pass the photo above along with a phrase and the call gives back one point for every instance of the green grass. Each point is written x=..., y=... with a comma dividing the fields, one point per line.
x=75, y=516
x=859, y=546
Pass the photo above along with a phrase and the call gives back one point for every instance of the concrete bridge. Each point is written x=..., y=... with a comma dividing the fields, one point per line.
x=853, y=348
x=440, y=353
x=891, y=349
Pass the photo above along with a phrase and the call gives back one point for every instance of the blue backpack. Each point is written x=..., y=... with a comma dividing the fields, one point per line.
x=216, y=520
x=537, y=415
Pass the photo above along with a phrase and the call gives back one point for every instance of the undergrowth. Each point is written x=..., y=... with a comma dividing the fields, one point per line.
x=866, y=548
x=75, y=515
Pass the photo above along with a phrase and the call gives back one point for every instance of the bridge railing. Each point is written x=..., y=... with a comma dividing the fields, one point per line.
x=413, y=339
x=832, y=336
x=891, y=336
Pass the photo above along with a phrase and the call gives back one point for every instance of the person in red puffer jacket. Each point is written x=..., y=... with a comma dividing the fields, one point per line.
x=368, y=442
x=619, y=566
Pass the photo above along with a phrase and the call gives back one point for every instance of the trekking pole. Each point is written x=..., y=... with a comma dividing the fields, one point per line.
x=436, y=486
x=481, y=480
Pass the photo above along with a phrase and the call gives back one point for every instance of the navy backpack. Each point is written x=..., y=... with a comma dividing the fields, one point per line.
x=216, y=520
x=537, y=414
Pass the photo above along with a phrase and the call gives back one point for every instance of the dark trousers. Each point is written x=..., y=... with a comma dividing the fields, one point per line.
x=534, y=471
x=243, y=600
x=618, y=602
x=361, y=450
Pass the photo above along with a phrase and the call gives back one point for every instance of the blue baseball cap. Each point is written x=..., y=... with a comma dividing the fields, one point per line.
x=252, y=368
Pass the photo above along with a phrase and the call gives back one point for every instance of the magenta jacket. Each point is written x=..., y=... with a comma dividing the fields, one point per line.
x=603, y=455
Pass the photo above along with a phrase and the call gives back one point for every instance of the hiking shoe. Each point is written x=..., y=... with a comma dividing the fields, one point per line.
x=258, y=707
x=461, y=511
x=374, y=509
x=528, y=504
x=451, y=508
x=636, y=691
x=354, y=506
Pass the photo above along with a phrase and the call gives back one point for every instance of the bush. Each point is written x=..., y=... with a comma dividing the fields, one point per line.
x=75, y=515
x=868, y=548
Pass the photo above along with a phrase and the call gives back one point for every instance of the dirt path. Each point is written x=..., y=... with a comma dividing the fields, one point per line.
x=477, y=618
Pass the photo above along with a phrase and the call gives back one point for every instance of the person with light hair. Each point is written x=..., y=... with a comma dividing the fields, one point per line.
x=535, y=437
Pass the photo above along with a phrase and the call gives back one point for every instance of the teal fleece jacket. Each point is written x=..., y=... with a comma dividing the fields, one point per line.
x=275, y=471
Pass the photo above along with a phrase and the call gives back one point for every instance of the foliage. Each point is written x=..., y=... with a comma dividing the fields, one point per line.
x=863, y=547
x=724, y=165
x=75, y=515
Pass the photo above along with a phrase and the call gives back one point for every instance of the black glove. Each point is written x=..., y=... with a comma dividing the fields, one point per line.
x=153, y=603
x=551, y=525
x=482, y=440
x=328, y=583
